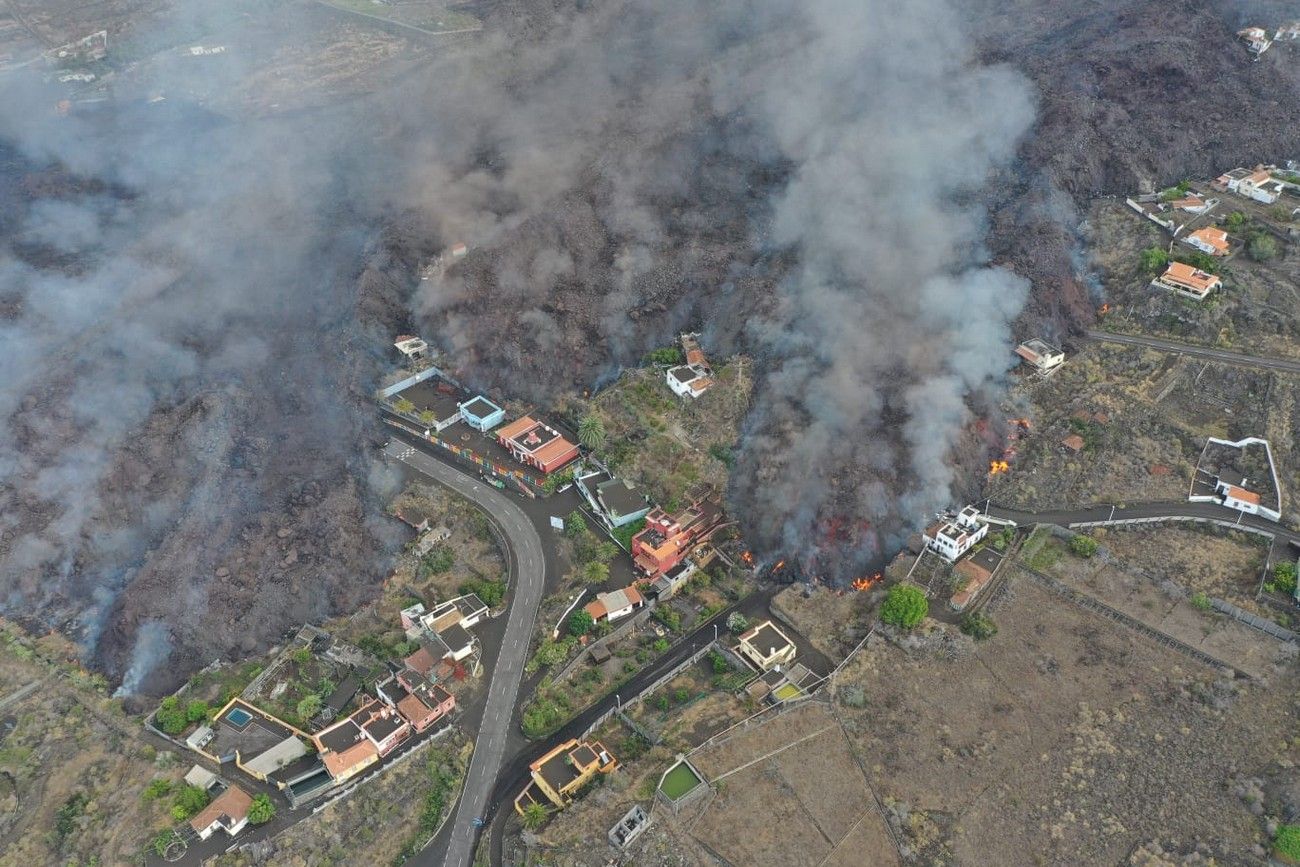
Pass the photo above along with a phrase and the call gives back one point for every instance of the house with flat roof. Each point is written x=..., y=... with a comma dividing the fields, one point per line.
x=227, y=812
x=667, y=584
x=345, y=750
x=667, y=539
x=562, y=772
x=617, y=502
x=614, y=605
x=421, y=704
x=950, y=538
x=460, y=643
x=765, y=646
x=536, y=444
x=383, y=726
x=481, y=413
x=255, y=741
x=695, y=376
x=1256, y=39
x=1182, y=279
x=1209, y=239
x=467, y=610
x=412, y=348
x=1257, y=183
x=1040, y=355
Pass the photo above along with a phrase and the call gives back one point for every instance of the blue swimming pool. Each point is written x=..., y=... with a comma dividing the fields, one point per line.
x=238, y=716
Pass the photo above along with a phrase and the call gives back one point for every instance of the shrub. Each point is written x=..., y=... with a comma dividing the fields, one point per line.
x=595, y=572
x=624, y=534
x=660, y=646
x=681, y=694
x=978, y=626
x=669, y=617
x=1235, y=220
x=1154, y=258
x=403, y=405
x=905, y=606
x=439, y=560
x=661, y=701
x=189, y=801
x=1200, y=601
x=535, y=816
x=1261, y=247
x=719, y=662
x=491, y=592
x=575, y=525
x=737, y=622
x=555, y=481
x=724, y=454
x=308, y=707
x=1084, y=546
x=261, y=810
x=1287, y=842
x=853, y=696
x=170, y=716
x=160, y=787
x=1284, y=577
x=580, y=623
x=65, y=820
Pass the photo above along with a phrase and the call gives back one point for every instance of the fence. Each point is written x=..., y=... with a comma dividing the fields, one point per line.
x=631, y=623
x=1160, y=519
x=427, y=373
x=1259, y=623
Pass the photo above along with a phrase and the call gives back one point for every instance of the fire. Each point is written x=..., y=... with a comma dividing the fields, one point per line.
x=866, y=581
x=998, y=467
x=1103, y=309
x=1021, y=423
x=779, y=564
x=747, y=557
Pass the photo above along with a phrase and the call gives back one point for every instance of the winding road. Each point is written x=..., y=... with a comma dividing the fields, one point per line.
x=1236, y=358
x=1172, y=511
x=527, y=566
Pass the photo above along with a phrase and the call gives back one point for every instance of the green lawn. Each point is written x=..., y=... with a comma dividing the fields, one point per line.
x=680, y=780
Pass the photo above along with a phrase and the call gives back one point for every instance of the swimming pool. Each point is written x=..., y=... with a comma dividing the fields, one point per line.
x=238, y=717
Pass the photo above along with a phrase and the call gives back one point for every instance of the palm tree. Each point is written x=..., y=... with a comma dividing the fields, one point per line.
x=596, y=572
x=591, y=433
x=534, y=816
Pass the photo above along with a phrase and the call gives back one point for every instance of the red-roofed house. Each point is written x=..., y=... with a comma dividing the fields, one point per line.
x=616, y=605
x=667, y=540
x=1210, y=240
x=536, y=444
x=227, y=812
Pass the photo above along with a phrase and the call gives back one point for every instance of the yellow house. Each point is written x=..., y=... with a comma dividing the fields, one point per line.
x=559, y=774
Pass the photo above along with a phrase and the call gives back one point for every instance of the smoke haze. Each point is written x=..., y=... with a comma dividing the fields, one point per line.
x=196, y=295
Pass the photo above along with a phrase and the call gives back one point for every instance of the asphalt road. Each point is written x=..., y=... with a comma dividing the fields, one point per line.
x=1199, y=351
x=528, y=568
x=1067, y=517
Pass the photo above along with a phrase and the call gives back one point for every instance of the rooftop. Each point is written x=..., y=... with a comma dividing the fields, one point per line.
x=456, y=637
x=245, y=729
x=767, y=639
x=1216, y=238
x=620, y=497
x=230, y=807
x=479, y=407
x=1182, y=274
x=435, y=395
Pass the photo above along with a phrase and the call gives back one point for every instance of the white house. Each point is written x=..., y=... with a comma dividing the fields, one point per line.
x=413, y=348
x=1209, y=239
x=1041, y=355
x=614, y=606
x=688, y=381
x=951, y=538
x=1258, y=184
x=1256, y=39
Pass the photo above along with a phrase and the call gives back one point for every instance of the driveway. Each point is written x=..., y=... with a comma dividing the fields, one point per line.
x=527, y=565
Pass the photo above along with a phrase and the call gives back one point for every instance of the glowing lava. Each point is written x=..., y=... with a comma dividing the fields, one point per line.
x=866, y=581
x=998, y=467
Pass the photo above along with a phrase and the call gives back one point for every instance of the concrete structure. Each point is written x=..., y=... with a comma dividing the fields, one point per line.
x=383, y=726
x=1183, y=279
x=1194, y=204
x=1209, y=239
x=228, y=812
x=410, y=618
x=481, y=413
x=1040, y=355
x=412, y=348
x=667, y=540
x=460, y=643
x=667, y=584
x=1256, y=39
x=765, y=646
x=614, y=605
x=257, y=743
x=562, y=772
x=200, y=777
x=1230, y=487
x=466, y=610
x=950, y=538
x=345, y=750
x=631, y=826
x=695, y=376
x=537, y=444
x=420, y=704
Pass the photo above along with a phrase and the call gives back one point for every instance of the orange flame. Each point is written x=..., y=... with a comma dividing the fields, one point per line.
x=779, y=564
x=998, y=467
x=866, y=581
x=1022, y=423
x=748, y=558
x=1103, y=309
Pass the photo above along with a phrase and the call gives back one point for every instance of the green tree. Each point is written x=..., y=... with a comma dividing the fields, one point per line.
x=575, y=525
x=403, y=405
x=428, y=417
x=591, y=433
x=580, y=623
x=595, y=572
x=1235, y=220
x=905, y=606
x=737, y=622
x=308, y=707
x=1261, y=247
x=170, y=717
x=1203, y=261
x=261, y=810
x=1200, y=601
x=534, y=816
x=1284, y=577
x=1154, y=258
x=197, y=711
x=661, y=645
x=160, y=787
x=666, y=355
